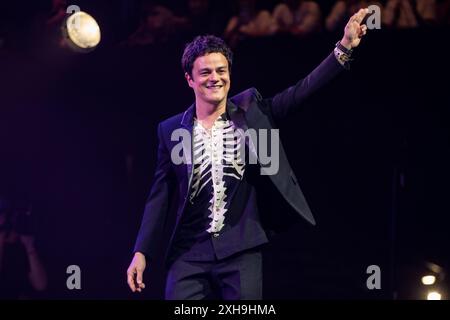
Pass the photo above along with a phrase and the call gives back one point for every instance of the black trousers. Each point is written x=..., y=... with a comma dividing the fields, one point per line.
x=238, y=277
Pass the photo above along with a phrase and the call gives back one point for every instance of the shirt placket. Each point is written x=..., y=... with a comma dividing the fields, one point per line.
x=217, y=176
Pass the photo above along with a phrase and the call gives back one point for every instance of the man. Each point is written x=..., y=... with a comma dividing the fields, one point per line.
x=220, y=225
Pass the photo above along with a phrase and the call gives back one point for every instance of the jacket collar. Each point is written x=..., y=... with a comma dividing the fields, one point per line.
x=233, y=112
x=187, y=120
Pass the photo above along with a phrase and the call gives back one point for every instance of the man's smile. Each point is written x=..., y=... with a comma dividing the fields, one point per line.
x=215, y=86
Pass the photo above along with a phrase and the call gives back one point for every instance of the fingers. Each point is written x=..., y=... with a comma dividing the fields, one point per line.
x=363, y=30
x=137, y=285
x=141, y=287
x=359, y=16
x=130, y=280
x=140, y=284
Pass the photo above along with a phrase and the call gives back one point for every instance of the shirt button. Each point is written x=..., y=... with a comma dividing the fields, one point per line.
x=215, y=235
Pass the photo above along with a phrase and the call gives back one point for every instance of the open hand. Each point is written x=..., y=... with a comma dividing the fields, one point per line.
x=354, y=30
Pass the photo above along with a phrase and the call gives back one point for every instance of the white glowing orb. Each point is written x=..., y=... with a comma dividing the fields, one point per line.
x=428, y=280
x=434, y=295
x=83, y=30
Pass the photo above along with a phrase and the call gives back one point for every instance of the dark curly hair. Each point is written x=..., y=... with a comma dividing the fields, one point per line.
x=201, y=46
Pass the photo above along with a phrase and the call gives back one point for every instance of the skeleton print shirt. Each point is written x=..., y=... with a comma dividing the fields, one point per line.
x=218, y=168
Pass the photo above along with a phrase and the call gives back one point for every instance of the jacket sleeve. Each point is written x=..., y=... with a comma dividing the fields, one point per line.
x=157, y=204
x=292, y=98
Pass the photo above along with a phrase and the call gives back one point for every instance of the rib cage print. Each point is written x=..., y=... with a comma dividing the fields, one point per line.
x=217, y=155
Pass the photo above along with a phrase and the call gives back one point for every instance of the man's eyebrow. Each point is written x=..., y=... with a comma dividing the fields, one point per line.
x=209, y=69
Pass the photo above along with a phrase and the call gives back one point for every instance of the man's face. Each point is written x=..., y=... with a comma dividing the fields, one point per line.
x=210, y=78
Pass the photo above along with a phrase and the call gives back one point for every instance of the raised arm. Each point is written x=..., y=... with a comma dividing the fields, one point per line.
x=291, y=99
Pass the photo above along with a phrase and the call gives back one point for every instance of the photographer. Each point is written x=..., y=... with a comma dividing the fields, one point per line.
x=22, y=274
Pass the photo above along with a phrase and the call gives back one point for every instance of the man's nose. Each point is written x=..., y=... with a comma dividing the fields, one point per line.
x=214, y=76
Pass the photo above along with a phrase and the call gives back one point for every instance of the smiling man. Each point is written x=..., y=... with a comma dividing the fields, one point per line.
x=209, y=76
x=221, y=223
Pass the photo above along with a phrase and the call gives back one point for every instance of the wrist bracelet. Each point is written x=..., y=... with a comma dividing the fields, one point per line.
x=343, y=58
x=344, y=49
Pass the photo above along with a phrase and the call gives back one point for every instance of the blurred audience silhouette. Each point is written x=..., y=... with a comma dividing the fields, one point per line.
x=22, y=273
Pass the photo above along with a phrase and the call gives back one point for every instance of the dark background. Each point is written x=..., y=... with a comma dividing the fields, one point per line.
x=371, y=151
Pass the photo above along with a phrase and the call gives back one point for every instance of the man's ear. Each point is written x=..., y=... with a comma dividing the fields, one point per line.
x=188, y=79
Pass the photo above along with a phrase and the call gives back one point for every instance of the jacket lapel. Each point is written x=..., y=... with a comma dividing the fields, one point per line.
x=245, y=114
x=188, y=151
x=237, y=117
x=284, y=180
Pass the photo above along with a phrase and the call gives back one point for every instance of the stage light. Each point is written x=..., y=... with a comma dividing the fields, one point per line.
x=433, y=295
x=428, y=280
x=81, y=31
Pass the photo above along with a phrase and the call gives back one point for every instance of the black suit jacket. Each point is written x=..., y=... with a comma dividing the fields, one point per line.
x=247, y=110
